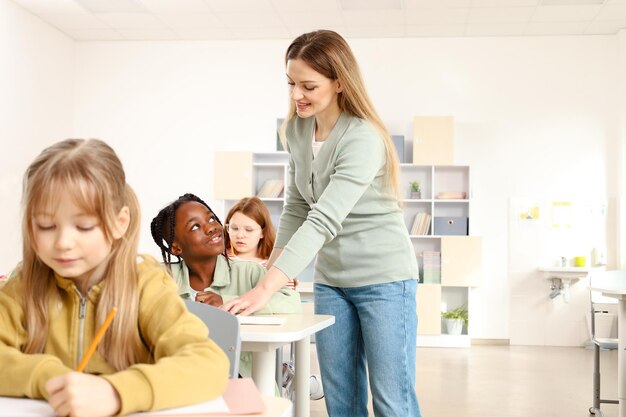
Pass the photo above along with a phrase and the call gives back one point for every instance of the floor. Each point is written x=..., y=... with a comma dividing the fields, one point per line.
x=506, y=381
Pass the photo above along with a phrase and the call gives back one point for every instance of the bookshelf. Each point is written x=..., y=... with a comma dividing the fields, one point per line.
x=450, y=260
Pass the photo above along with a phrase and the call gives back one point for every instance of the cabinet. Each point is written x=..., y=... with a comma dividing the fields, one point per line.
x=433, y=140
x=450, y=260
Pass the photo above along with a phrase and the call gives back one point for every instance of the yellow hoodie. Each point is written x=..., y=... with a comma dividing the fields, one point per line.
x=183, y=366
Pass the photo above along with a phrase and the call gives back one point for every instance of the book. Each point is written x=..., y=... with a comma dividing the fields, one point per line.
x=271, y=188
x=421, y=224
x=452, y=195
x=431, y=267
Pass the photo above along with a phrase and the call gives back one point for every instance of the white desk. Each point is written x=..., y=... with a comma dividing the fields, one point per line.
x=263, y=341
x=619, y=292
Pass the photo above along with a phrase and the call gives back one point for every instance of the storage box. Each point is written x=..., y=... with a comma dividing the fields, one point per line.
x=450, y=226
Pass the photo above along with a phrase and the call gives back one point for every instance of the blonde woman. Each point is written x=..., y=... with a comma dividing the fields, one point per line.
x=81, y=231
x=343, y=205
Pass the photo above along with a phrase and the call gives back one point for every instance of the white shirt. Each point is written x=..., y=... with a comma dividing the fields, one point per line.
x=316, y=146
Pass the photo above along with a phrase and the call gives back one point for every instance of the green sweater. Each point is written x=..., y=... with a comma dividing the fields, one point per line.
x=339, y=207
x=242, y=277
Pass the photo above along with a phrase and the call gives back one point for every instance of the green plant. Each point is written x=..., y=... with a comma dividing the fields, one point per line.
x=415, y=186
x=457, y=313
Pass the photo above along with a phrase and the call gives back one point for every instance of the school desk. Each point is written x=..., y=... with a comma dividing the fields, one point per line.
x=619, y=292
x=263, y=340
x=241, y=397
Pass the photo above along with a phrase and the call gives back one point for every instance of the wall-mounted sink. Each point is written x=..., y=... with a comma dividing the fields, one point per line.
x=565, y=272
x=562, y=277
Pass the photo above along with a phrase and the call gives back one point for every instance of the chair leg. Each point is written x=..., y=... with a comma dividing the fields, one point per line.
x=596, y=380
x=596, y=411
x=279, y=369
x=596, y=376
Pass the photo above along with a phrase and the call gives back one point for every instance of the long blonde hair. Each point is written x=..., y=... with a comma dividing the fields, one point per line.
x=330, y=55
x=93, y=174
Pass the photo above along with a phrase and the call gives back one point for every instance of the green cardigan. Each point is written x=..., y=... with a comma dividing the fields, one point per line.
x=340, y=207
x=242, y=277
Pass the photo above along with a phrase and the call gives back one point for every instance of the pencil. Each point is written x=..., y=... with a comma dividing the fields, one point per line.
x=96, y=340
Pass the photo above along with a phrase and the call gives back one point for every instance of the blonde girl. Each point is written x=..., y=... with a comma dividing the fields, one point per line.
x=80, y=237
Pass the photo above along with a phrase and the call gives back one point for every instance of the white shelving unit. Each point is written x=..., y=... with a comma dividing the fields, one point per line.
x=451, y=288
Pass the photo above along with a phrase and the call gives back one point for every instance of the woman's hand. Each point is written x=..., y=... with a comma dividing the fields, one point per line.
x=256, y=298
x=210, y=298
x=79, y=394
x=252, y=301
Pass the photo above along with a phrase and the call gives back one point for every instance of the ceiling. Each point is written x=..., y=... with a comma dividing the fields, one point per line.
x=120, y=20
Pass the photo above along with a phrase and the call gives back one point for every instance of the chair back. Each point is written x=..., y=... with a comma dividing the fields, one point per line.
x=223, y=330
x=599, y=303
x=606, y=279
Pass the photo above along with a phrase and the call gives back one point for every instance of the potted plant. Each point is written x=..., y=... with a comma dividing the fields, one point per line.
x=416, y=191
x=455, y=319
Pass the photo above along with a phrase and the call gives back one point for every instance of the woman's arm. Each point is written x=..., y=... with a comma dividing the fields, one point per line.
x=273, y=256
x=260, y=295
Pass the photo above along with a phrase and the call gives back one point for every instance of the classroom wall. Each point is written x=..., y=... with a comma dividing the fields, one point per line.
x=535, y=118
x=36, y=108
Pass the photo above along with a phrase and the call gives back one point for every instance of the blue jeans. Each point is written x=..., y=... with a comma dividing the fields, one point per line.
x=375, y=326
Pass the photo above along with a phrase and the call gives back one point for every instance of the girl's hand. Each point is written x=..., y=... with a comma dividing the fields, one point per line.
x=79, y=394
x=253, y=300
x=210, y=298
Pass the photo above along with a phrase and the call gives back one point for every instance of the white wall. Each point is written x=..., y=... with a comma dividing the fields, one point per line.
x=36, y=108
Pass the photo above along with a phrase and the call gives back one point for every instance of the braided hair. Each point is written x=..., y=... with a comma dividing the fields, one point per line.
x=164, y=223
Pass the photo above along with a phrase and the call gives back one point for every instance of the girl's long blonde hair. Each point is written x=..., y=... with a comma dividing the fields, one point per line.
x=93, y=174
x=330, y=55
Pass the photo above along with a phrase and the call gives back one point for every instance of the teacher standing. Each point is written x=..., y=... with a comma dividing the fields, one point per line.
x=343, y=205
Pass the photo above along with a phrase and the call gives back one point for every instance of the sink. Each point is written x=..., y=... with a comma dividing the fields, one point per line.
x=565, y=272
x=562, y=277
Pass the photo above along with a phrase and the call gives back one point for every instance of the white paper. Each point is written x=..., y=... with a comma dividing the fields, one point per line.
x=26, y=407
x=261, y=320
